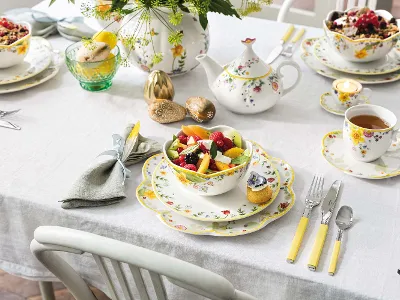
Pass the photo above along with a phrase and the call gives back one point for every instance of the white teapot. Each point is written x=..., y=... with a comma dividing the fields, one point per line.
x=247, y=85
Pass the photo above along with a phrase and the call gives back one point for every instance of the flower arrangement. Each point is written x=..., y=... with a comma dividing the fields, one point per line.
x=144, y=10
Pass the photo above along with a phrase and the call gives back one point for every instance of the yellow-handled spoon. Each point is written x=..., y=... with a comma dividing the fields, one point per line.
x=344, y=220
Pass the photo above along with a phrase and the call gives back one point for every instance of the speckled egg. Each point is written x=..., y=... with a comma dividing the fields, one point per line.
x=200, y=109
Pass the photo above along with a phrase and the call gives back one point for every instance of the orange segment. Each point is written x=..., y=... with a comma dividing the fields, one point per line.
x=201, y=132
x=234, y=152
x=204, y=163
x=221, y=166
x=186, y=130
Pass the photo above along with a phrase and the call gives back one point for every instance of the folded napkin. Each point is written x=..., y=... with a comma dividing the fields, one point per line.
x=72, y=28
x=104, y=182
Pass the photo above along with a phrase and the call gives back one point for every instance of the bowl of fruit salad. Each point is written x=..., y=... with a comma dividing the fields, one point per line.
x=361, y=34
x=14, y=42
x=208, y=161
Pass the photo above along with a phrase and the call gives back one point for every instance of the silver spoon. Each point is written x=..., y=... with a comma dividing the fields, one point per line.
x=344, y=220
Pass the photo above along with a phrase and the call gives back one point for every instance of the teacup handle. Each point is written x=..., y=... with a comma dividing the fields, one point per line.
x=396, y=134
x=366, y=92
x=297, y=67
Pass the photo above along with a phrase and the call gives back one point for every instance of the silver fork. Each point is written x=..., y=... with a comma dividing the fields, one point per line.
x=288, y=52
x=8, y=113
x=313, y=198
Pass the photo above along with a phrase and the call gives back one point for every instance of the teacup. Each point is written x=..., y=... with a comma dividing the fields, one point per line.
x=369, y=144
x=350, y=95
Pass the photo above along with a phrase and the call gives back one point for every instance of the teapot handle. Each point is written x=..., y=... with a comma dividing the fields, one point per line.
x=297, y=67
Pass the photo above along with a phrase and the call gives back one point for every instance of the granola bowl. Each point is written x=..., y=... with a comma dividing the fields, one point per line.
x=13, y=52
x=361, y=35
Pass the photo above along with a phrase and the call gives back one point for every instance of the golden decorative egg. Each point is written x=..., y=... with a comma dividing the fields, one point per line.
x=165, y=111
x=200, y=109
x=158, y=86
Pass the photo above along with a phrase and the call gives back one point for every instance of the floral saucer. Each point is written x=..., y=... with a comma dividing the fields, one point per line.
x=324, y=53
x=313, y=63
x=328, y=103
x=282, y=204
x=230, y=206
x=387, y=166
x=37, y=60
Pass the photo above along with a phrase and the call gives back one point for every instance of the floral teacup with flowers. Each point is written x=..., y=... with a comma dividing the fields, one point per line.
x=367, y=144
x=348, y=97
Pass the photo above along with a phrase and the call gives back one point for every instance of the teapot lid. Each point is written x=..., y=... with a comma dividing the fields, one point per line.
x=248, y=65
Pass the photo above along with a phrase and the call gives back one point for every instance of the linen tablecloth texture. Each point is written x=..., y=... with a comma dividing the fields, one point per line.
x=39, y=164
x=104, y=182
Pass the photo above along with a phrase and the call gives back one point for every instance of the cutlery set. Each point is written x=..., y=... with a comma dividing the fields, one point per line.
x=288, y=52
x=7, y=124
x=344, y=220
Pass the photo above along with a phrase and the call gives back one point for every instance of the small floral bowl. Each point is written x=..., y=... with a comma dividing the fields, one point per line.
x=11, y=55
x=209, y=184
x=360, y=50
x=93, y=76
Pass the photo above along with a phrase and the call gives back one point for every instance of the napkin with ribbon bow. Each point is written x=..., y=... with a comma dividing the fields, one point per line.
x=104, y=182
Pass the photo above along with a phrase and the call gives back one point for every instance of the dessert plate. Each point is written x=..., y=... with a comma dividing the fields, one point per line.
x=324, y=53
x=328, y=103
x=230, y=206
x=37, y=60
x=313, y=63
x=334, y=152
x=40, y=78
x=282, y=204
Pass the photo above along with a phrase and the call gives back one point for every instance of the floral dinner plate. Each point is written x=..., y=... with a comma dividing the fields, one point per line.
x=282, y=204
x=230, y=206
x=313, y=63
x=328, y=103
x=324, y=53
x=37, y=60
x=334, y=152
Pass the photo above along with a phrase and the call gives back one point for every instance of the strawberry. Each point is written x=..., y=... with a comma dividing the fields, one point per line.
x=190, y=167
x=216, y=136
x=182, y=164
x=183, y=139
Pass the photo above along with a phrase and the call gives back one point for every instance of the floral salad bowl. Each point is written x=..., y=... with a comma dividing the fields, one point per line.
x=360, y=50
x=11, y=55
x=209, y=184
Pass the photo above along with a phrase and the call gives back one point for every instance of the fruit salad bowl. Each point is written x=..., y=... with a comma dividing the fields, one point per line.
x=365, y=47
x=211, y=174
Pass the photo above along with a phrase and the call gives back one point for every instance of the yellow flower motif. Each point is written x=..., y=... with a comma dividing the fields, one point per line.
x=152, y=32
x=22, y=48
x=356, y=135
x=177, y=50
x=361, y=54
x=363, y=152
x=149, y=194
x=187, y=211
x=163, y=173
x=182, y=178
x=230, y=173
x=247, y=73
x=337, y=37
x=344, y=97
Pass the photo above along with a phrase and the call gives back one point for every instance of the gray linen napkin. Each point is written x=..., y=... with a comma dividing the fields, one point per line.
x=104, y=182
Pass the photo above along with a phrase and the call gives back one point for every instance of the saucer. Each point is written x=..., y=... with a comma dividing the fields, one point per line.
x=324, y=53
x=37, y=60
x=282, y=204
x=230, y=206
x=328, y=103
x=313, y=63
x=334, y=152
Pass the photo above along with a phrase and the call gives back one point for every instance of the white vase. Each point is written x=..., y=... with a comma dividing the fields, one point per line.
x=178, y=59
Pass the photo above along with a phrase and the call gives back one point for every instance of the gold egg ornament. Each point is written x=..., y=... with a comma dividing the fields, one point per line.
x=158, y=86
x=200, y=109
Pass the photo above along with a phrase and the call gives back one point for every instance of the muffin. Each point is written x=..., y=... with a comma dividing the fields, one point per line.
x=258, y=191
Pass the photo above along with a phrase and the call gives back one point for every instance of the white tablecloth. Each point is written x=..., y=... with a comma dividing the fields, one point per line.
x=65, y=128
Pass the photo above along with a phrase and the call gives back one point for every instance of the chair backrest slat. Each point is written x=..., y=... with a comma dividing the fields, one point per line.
x=362, y=3
x=158, y=286
x=351, y=3
x=106, y=275
x=121, y=279
x=340, y=5
x=140, y=285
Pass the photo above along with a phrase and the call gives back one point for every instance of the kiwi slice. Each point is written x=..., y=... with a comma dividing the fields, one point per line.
x=172, y=154
x=235, y=137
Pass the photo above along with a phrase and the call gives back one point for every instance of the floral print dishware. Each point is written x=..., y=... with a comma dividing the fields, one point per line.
x=328, y=103
x=281, y=205
x=334, y=151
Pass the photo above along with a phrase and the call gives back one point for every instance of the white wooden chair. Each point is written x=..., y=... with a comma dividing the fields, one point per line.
x=50, y=239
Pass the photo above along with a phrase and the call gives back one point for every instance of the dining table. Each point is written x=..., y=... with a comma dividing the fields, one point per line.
x=64, y=128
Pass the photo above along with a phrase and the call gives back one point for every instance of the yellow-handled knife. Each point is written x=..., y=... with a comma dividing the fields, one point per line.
x=278, y=49
x=327, y=209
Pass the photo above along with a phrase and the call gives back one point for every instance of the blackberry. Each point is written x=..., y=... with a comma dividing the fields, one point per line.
x=393, y=21
x=335, y=16
x=382, y=25
x=371, y=27
x=191, y=158
x=379, y=18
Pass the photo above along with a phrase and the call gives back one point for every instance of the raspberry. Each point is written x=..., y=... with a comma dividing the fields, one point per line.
x=220, y=143
x=182, y=164
x=216, y=136
x=183, y=139
x=182, y=158
x=228, y=144
x=190, y=167
x=191, y=158
x=180, y=149
x=213, y=167
x=203, y=148
x=176, y=161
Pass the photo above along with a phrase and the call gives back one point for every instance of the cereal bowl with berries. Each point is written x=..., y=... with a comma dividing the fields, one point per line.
x=361, y=34
x=208, y=161
x=14, y=42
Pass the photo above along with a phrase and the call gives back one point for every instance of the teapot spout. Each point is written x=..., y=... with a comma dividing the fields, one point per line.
x=213, y=69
